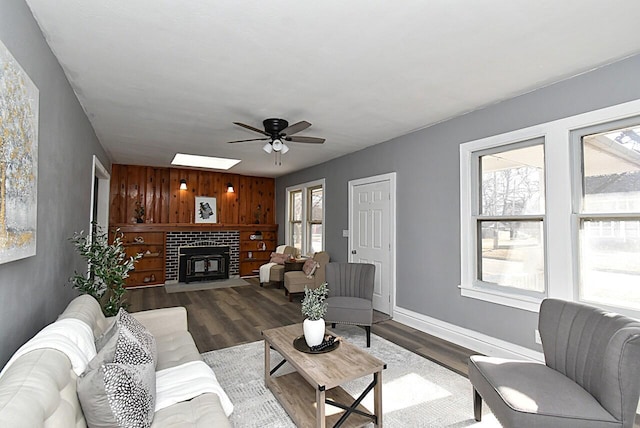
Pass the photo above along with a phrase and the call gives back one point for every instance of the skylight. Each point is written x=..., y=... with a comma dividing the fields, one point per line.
x=203, y=161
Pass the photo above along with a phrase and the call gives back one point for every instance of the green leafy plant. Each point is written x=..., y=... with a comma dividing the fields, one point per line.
x=313, y=303
x=109, y=266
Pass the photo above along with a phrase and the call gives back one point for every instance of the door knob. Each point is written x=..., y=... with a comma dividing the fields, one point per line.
x=354, y=252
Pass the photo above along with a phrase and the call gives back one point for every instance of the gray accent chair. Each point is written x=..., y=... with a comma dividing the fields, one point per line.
x=350, y=298
x=591, y=375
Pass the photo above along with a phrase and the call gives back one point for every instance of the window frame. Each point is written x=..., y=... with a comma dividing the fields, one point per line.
x=306, y=189
x=479, y=217
x=291, y=220
x=579, y=213
x=310, y=221
x=561, y=228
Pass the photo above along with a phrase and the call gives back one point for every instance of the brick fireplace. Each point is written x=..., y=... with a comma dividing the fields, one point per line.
x=177, y=239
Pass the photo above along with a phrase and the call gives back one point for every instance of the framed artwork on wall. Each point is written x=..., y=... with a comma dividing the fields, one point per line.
x=206, y=210
x=19, y=99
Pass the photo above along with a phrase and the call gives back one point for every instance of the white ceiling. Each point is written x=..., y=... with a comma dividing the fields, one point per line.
x=158, y=77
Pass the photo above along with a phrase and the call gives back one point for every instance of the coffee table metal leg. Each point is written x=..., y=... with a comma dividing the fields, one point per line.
x=320, y=406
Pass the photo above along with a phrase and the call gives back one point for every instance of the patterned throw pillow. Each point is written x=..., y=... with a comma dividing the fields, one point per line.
x=279, y=258
x=119, y=385
x=139, y=331
x=129, y=393
x=310, y=267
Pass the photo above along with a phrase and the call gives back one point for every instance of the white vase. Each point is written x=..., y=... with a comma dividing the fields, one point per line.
x=313, y=331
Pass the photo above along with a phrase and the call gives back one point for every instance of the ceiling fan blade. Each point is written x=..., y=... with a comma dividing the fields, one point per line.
x=301, y=139
x=251, y=128
x=296, y=127
x=242, y=141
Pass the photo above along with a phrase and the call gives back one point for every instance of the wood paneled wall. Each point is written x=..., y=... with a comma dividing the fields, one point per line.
x=158, y=189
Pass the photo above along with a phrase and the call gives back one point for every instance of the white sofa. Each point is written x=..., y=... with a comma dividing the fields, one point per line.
x=39, y=388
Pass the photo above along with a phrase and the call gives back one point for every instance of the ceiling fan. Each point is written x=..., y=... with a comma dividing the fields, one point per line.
x=278, y=131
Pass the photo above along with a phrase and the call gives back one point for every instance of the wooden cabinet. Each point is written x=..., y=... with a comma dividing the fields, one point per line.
x=149, y=269
x=255, y=250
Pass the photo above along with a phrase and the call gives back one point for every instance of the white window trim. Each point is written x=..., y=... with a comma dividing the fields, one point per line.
x=560, y=222
x=304, y=187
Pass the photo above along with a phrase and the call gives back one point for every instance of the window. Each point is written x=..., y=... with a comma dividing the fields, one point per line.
x=510, y=217
x=553, y=210
x=305, y=225
x=315, y=214
x=608, y=212
x=295, y=219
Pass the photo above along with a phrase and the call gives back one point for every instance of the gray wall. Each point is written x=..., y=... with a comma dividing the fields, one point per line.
x=32, y=290
x=428, y=218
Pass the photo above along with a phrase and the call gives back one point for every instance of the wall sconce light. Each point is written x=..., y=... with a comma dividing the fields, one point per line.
x=183, y=184
x=230, y=188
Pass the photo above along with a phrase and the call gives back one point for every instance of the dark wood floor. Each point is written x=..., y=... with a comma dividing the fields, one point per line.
x=231, y=316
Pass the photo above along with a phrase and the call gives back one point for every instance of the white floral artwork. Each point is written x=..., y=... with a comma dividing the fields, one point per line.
x=18, y=160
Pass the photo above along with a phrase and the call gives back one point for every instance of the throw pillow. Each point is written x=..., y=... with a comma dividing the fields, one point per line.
x=309, y=267
x=279, y=258
x=119, y=385
x=126, y=320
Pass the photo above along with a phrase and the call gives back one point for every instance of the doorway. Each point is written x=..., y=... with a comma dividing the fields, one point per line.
x=372, y=209
x=99, y=196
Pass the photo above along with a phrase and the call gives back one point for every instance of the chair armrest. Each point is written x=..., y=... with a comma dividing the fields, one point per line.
x=163, y=321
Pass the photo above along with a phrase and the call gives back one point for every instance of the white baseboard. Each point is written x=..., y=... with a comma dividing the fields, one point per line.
x=470, y=339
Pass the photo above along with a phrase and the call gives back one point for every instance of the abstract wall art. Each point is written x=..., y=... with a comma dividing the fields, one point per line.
x=206, y=211
x=18, y=160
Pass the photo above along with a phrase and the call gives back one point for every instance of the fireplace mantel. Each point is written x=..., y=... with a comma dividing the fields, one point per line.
x=184, y=227
x=241, y=249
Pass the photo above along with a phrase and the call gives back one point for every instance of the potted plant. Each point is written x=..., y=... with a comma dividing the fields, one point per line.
x=314, y=308
x=109, y=266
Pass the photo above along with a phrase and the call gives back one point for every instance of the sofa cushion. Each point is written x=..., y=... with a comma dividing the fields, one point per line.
x=203, y=411
x=175, y=349
x=118, y=387
x=139, y=331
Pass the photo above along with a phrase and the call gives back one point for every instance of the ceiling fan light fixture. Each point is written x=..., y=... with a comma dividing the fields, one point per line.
x=267, y=148
x=277, y=144
x=285, y=148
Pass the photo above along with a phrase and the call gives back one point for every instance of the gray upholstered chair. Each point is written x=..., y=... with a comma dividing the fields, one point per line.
x=350, y=299
x=295, y=281
x=591, y=377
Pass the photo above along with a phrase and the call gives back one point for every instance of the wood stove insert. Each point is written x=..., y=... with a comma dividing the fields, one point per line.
x=203, y=263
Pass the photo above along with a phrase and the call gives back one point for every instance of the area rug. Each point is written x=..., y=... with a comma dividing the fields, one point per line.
x=204, y=285
x=415, y=393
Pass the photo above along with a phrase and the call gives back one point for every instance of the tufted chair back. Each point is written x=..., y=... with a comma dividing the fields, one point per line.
x=598, y=350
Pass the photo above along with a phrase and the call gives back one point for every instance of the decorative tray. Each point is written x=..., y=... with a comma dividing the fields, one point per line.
x=301, y=345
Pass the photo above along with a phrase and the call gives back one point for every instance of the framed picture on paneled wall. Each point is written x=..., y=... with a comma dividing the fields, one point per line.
x=18, y=160
x=206, y=210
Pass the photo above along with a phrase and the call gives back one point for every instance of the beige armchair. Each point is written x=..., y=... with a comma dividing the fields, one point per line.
x=276, y=272
x=294, y=281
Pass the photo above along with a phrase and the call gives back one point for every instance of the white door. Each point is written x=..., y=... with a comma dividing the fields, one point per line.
x=371, y=234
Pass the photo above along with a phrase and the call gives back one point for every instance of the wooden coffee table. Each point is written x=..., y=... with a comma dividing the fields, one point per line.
x=317, y=379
